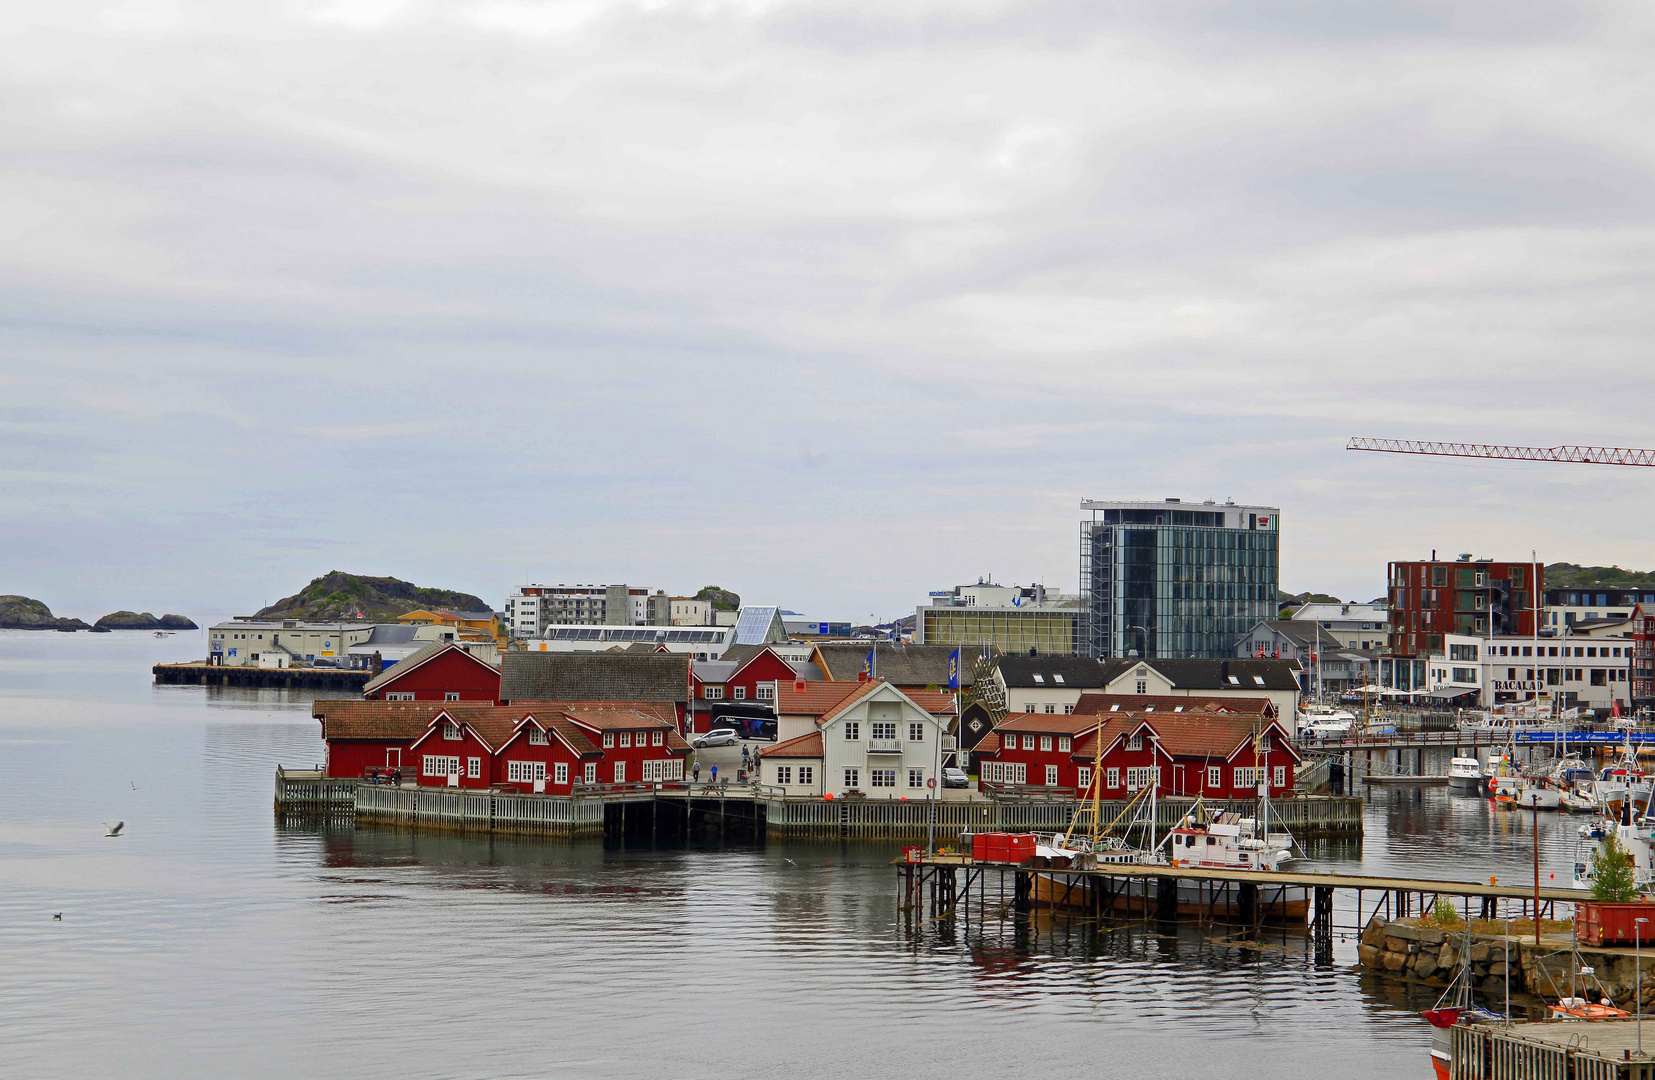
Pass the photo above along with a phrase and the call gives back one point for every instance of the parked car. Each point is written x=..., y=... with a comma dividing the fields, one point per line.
x=952, y=777
x=716, y=737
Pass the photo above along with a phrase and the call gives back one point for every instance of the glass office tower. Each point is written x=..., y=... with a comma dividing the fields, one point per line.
x=1173, y=579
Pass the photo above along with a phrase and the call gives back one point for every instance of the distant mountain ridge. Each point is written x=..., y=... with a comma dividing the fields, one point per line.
x=1562, y=575
x=337, y=595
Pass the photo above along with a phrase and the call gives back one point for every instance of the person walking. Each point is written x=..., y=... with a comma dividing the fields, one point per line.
x=695, y=773
x=715, y=774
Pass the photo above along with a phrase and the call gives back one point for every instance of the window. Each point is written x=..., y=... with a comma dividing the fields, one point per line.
x=1051, y=708
x=739, y=693
x=525, y=772
x=1599, y=677
x=388, y=697
x=1039, y=678
x=1140, y=777
x=850, y=778
x=1113, y=776
x=1143, y=686
x=916, y=732
x=451, y=732
x=1028, y=742
x=663, y=769
x=626, y=739
x=882, y=729
x=1462, y=652
x=620, y=772
x=608, y=740
x=882, y=778
x=1248, y=777
x=1063, y=743
x=916, y=778
x=853, y=731
x=1215, y=776
x=1045, y=742
x=1051, y=776
x=765, y=691
x=451, y=695
x=1264, y=743
x=1281, y=776
x=807, y=774
x=1008, y=742
x=440, y=765
x=657, y=738
x=784, y=774
x=1067, y=709
x=1083, y=777
x=1136, y=741
x=590, y=772
x=1029, y=706
x=474, y=768
x=1058, y=679
x=1004, y=772
x=712, y=693
x=536, y=736
x=560, y=772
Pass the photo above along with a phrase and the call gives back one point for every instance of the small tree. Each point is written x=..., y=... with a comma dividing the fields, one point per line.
x=1612, y=877
x=1443, y=913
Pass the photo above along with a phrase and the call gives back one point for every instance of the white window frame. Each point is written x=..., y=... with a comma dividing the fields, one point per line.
x=916, y=731
x=1046, y=743
x=1051, y=776
x=916, y=778
x=1083, y=777
x=609, y=740
x=882, y=729
x=560, y=773
x=1135, y=741
x=537, y=737
x=657, y=738
x=620, y=772
x=713, y=693
x=1028, y=742
x=626, y=740
x=450, y=731
x=853, y=730
x=1139, y=777
x=739, y=693
x=451, y=695
x=784, y=774
x=807, y=774
x=882, y=778
x=852, y=778
x=1063, y=744
x=1215, y=776
x=1112, y=777
x=400, y=695
x=1281, y=776
x=474, y=768
x=589, y=773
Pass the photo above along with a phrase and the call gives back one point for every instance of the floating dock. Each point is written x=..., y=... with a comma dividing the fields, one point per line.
x=201, y=673
x=1551, y=1050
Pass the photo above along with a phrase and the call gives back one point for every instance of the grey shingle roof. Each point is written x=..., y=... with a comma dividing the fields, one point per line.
x=1079, y=672
x=900, y=665
x=1212, y=674
x=579, y=676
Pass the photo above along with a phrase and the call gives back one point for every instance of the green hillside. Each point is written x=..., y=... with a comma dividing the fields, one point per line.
x=338, y=595
x=1562, y=575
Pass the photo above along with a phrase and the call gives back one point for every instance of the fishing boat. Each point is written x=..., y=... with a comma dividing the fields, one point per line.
x=1457, y=1005
x=1576, y=801
x=1636, y=839
x=1466, y=775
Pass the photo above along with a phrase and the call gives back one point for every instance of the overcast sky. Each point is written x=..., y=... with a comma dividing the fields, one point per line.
x=827, y=303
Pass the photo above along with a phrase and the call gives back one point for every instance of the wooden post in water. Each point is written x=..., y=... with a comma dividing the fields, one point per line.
x=1536, y=813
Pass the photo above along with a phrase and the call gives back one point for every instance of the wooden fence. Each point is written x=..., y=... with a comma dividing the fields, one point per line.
x=859, y=819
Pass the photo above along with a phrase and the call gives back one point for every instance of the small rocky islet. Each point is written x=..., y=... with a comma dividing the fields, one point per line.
x=25, y=613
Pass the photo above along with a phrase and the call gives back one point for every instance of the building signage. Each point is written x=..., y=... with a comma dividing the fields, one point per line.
x=1529, y=686
x=942, y=592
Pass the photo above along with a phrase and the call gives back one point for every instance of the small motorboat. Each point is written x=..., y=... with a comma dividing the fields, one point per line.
x=1466, y=775
x=1576, y=802
x=1578, y=1008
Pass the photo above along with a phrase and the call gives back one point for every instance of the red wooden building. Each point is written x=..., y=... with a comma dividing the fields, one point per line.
x=439, y=672
x=528, y=746
x=1206, y=752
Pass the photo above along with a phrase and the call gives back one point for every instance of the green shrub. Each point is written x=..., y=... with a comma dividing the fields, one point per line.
x=1612, y=877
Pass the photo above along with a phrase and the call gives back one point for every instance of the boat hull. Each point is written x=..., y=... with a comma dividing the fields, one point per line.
x=1469, y=785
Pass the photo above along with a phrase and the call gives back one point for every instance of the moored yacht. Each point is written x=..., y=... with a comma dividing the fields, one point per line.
x=1466, y=775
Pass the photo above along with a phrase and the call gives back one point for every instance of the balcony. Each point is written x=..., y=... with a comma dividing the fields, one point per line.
x=884, y=746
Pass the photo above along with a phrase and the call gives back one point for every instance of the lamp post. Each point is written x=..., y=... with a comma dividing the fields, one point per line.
x=1143, y=641
x=1638, y=990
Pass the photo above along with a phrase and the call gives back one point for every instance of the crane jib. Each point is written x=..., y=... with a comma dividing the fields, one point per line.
x=1576, y=455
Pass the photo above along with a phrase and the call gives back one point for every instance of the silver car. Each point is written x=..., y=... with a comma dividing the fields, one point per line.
x=716, y=737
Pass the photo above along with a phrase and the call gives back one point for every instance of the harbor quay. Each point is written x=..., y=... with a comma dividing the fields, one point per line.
x=679, y=810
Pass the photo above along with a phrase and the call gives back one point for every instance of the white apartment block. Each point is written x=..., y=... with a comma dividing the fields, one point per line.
x=532, y=608
x=1584, y=672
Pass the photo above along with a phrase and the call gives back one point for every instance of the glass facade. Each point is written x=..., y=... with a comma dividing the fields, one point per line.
x=1013, y=630
x=1172, y=583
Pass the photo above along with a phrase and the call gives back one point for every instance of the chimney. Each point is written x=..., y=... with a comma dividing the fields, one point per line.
x=798, y=686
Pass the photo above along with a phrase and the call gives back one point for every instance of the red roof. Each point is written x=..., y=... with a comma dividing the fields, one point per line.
x=1096, y=703
x=406, y=721
x=817, y=698
x=805, y=746
x=1212, y=735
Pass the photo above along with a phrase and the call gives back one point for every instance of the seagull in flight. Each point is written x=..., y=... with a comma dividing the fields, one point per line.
x=114, y=830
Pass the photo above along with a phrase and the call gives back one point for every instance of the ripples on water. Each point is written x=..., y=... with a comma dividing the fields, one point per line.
x=208, y=942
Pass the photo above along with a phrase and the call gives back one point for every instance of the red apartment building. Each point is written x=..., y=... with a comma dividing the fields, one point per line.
x=438, y=672
x=1210, y=753
x=1479, y=597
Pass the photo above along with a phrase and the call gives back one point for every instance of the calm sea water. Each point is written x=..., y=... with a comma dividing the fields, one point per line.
x=205, y=941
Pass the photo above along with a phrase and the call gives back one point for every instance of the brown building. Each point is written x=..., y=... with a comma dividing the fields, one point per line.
x=1478, y=597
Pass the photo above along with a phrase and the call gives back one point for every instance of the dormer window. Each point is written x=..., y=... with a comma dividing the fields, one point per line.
x=1136, y=742
x=1039, y=678
x=451, y=731
x=536, y=736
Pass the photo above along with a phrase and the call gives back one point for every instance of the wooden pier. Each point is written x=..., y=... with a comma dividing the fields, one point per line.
x=1551, y=1050
x=732, y=810
x=948, y=887
x=201, y=673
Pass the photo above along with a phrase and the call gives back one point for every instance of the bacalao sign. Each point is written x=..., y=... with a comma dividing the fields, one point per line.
x=1517, y=686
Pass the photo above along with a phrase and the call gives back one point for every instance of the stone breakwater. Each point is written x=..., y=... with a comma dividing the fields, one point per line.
x=1424, y=953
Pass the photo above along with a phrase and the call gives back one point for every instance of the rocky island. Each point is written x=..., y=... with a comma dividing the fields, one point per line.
x=143, y=620
x=337, y=595
x=22, y=613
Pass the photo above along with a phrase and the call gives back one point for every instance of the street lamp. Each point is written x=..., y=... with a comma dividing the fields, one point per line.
x=1638, y=953
x=1143, y=641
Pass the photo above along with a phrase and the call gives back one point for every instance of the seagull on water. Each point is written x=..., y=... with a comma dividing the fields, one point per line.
x=58, y=916
x=114, y=830
x=790, y=862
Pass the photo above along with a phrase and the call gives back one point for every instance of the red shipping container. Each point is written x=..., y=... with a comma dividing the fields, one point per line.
x=1614, y=924
x=1019, y=847
x=980, y=846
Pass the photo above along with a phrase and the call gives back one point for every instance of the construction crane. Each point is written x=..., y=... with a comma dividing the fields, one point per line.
x=1576, y=455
